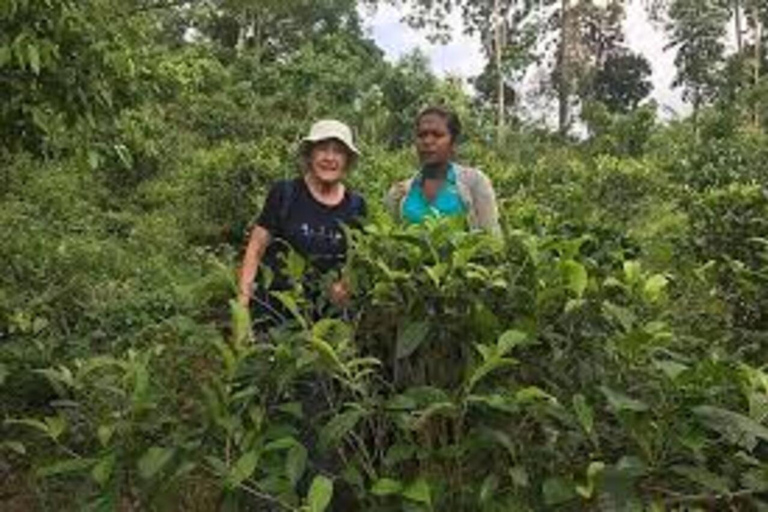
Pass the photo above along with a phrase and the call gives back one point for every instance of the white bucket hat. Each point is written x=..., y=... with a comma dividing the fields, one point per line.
x=330, y=129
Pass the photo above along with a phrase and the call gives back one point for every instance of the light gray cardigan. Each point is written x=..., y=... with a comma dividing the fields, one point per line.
x=475, y=190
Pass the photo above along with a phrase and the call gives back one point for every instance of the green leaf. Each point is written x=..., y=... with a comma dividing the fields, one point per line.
x=487, y=368
x=102, y=471
x=654, y=287
x=124, y=155
x=242, y=470
x=341, y=424
x=33, y=55
x=557, y=490
x=153, y=461
x=56, y=426
x=398, y=453
x=104, y=433
x=296, y=463
x=511, y=339
x=736, y=428
x=519, y=476
x=704, y=478
x=575, y=276
x=672, y=369
x=488, y=488
x=4, y=373
x=621, y=402
x=410, y=337
x=530, y=394
x=632, y=272
x=418, y=491
x=386, y=487
x=320, y=493
x=584, y=413
x=14, y=446
x=292, y=409
x=65, y=467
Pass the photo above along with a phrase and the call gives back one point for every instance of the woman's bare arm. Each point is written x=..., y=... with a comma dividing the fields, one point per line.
x=257, y=244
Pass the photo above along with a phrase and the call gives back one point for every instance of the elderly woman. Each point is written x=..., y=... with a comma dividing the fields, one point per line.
x=442, y=187
x=306, y=214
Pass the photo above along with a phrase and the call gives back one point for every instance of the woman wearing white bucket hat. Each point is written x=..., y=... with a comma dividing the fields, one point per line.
x=307, y=214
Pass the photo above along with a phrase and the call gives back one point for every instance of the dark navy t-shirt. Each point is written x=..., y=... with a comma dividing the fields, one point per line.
x=308, y=226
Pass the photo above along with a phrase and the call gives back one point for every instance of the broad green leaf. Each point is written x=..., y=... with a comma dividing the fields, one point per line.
x=531, y=394
x=14, y=446
x=65, y=467
x=654, y=287
x=4, y=373
x=557, y=490
x=327, y=352
x=398, y=453
x=672, y=369
x=33, y=57
x=341, y=424
x=736, y=428
x=519, y=476
x=292, y=408
x=284, y=443
x=632, y=272
x=584, y=413
x=575, y=276
x=487, y=368
x=320, y=494
x=510, y=340
x=243, y=469
x=623, y=316
x=418, y=491
x=704, y=478
x=621, y=402
x=296, y=463
x=56, y=426
x=102, y=471
x=488, y=488
x=386, y=487
x=154, y=460
x=410, y=337
x=593, y=470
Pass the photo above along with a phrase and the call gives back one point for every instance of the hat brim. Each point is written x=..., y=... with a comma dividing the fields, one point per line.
x=306, y=141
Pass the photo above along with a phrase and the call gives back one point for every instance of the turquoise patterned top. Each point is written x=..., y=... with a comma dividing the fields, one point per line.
x=447, y=203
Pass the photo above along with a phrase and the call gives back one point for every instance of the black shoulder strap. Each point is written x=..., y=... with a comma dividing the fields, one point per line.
x=356, y=204
x=287, y=196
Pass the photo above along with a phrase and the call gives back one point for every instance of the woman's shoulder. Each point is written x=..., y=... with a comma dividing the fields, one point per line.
x=400, y=188
x=471, y=176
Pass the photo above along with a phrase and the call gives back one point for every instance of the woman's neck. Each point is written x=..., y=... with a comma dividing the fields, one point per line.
x=328, y=193
x=435, y=171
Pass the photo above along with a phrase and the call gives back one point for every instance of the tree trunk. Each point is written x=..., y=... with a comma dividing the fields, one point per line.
x=758, y=58
x=564, y=85
x=738, y=26
x=498, y=41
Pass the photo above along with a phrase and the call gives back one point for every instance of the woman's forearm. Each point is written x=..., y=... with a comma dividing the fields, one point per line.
x=254, y=251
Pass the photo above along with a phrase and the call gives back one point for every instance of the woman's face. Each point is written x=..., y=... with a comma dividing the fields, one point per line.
x=328, y=161
x=434, y=143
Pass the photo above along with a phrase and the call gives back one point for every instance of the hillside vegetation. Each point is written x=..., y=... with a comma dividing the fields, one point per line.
x=608, y=354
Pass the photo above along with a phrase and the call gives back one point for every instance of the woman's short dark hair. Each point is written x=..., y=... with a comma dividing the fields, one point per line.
x=451, y=119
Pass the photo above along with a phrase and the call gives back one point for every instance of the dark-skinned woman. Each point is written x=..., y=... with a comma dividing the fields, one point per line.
x=442, y=187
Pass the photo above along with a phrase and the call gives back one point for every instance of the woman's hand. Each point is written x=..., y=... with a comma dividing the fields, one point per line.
x=340, y=292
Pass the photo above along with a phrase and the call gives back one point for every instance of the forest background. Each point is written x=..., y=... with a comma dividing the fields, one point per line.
x=609, y=354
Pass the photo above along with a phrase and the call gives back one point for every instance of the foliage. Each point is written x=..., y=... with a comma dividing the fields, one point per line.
x=607, y=353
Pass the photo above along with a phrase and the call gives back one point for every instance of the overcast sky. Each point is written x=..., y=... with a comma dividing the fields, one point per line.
x=462, y=55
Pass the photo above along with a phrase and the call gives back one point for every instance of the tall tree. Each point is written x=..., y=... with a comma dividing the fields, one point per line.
x=622, y=82
x=697, y=30
x=501, y=27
